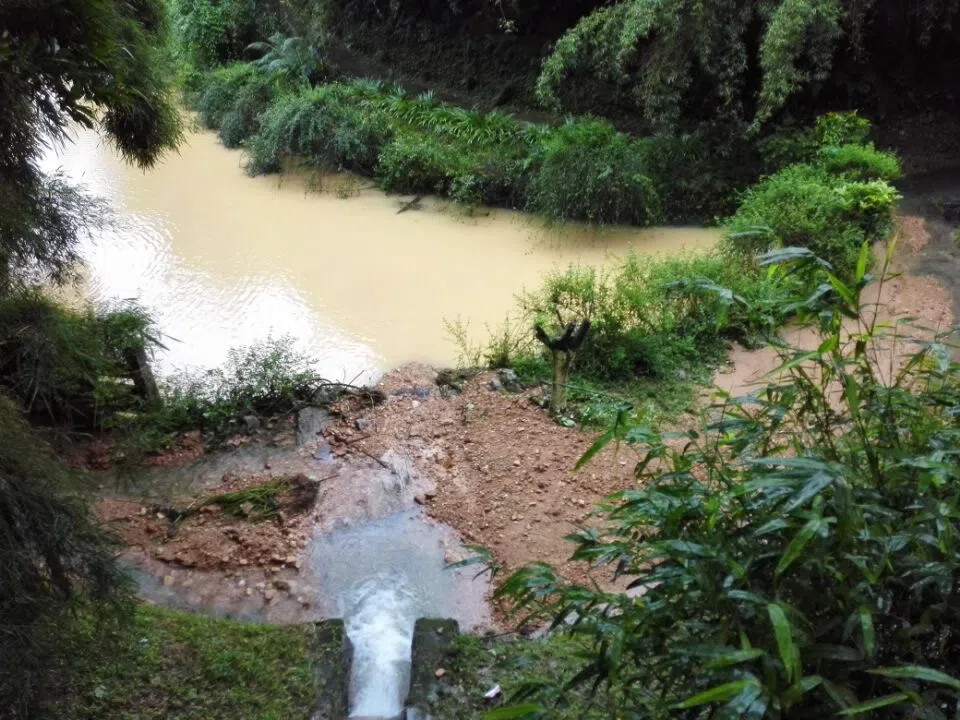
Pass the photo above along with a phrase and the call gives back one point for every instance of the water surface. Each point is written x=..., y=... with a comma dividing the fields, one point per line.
x=225, y=260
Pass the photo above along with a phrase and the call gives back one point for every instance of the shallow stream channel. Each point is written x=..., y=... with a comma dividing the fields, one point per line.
x=362, y=281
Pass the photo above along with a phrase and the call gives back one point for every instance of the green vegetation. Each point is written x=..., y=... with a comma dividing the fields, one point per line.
x=797, y=553
x=71, y=366
x=582, y=170
x=266, y=380
x=168, y=664
x=54, y=561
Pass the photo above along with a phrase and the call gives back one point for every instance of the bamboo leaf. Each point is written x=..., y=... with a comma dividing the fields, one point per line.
x=918, y=672
x=784, y=634
x=866, y=626
x=720, y=693
x=862, y=261
x=876, y=704
x=799, y=542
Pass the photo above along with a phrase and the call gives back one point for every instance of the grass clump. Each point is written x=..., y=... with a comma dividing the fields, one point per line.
x=264, y=380
x=71, y=366
x=320, y=126
x=170, y=664
x=589, y=171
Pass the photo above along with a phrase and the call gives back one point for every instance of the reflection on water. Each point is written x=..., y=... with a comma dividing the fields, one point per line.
x=225, y=260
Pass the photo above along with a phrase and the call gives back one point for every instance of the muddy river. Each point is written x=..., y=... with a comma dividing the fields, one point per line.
x=224, y=260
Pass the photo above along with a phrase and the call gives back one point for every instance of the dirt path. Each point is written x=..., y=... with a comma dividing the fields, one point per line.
x=914, y=291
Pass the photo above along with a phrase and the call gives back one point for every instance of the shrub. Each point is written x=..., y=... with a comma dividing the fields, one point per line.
x=71, y=366
x=220, y=91
x=212, y=32
x=805, y=206
x=588, y=171
x=859, y=162
x=796, y=556
x=842, y=128
x=242, y=121
x=319, y=125
x=654, y=317
x=416, y=163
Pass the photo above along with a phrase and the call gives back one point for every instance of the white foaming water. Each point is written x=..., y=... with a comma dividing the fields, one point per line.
x=379, y=623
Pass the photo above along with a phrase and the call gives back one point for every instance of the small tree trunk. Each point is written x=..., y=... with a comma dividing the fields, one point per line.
x=561, y=372
x=142, y=375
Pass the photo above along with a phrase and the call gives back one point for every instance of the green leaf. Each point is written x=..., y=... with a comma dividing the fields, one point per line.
x=513, y=711
x=918, y=672
x=842, y=290
x=735, y=658
x=862, y=261
x=793, y=362
x=799, y=542
x=875, y=704
x=720, y=693
x=599, y=444
x=784, y=635
x=866, y=626
x=813, y=487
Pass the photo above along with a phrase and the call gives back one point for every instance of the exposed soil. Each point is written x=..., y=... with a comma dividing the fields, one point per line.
x=489, y=463
x=503, y=469
x=909, y=293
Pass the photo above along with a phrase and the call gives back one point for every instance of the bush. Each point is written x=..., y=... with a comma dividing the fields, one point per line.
x=859, y=162
x=71, y=366
x=588, y=171
x=414, y=163
x=795, y=557
x=318, y=125
x=806, y=206
x=657, y=317
x=212, y=32
x=842, y=128
x=220, y=91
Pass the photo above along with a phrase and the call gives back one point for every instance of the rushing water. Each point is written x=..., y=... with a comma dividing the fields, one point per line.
x=224, y=260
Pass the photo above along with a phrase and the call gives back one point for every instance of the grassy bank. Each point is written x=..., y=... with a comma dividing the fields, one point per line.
x=167, y=664
x=575, y=170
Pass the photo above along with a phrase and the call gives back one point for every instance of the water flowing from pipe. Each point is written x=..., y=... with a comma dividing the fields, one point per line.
x=379, y=625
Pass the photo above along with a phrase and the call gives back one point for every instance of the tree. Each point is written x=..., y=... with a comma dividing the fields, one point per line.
x=738, y=62
x=88, y=63
x=93, y=64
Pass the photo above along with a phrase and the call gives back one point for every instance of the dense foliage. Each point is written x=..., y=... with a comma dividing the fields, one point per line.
x=98, y=64
x=71, y=366
x=582, y=170
x=797, y=555
x=54, y=559
x=834, y=201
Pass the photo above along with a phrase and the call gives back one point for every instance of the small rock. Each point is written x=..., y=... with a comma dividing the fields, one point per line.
x=251, y=422
x=492, y=693
x=495, y=385
x=248, y=591
x=362, y=424
x=450, y=557
x=246, y=508
x=439, y=673
x=269, y=594
x=415, y=404
x=419, y=499
x=281, y=584
x=168, y=580
x=509, y=380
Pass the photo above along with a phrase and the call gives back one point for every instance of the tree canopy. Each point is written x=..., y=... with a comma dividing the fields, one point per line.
x=729, y=60
x=91, y=63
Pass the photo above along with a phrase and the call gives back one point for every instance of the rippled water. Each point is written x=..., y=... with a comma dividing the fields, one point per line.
x=225, y=260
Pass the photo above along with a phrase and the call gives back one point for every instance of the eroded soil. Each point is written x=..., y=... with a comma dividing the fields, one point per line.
x=490, y=464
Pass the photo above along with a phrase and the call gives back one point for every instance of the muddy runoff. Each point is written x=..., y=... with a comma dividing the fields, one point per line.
x=224, y=260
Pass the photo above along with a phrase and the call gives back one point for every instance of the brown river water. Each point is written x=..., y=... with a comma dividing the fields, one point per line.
x=224, y=260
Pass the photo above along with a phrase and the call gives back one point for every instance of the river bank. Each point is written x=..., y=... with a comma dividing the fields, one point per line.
x=481, y=458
